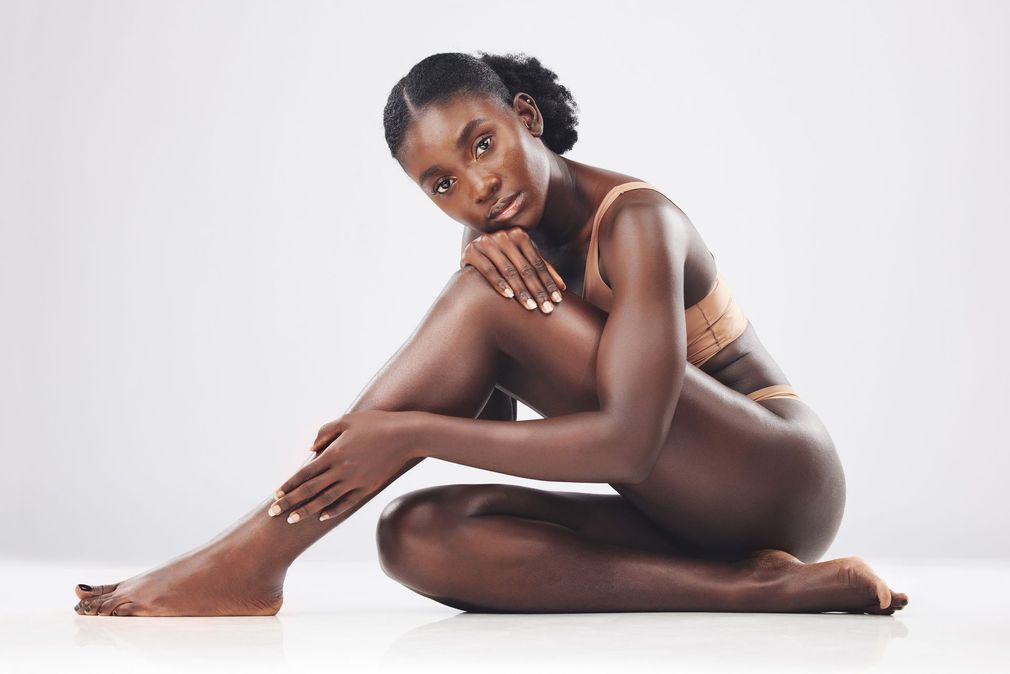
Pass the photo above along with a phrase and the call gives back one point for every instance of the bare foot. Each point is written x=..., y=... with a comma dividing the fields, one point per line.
x=848, y=584
x=216, y=580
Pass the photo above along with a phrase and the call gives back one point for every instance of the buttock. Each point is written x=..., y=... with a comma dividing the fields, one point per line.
x=802, y=421
x=733, y=476
x=799, y=413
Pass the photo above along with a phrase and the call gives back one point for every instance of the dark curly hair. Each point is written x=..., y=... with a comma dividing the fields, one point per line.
x=440, y=77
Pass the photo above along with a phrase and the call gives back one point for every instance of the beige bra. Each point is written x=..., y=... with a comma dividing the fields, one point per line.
x=712, y=323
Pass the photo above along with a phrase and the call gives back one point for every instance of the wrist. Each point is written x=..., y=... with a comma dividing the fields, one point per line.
x=415, y=433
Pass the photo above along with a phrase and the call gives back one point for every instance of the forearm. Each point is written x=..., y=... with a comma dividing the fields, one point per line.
x=580, y=447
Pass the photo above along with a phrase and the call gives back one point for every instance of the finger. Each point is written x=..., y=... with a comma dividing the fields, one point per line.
x=557, y=277
x=328, y=432
x=324, y=499
x=340, y=506
x=302, y=475
x=518, y=247
x=298, y=496
x=517, y=270
x=540, y=265
x=485, y=266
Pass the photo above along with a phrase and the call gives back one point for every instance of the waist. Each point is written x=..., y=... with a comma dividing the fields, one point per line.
x=713, y=323
x=774, y=391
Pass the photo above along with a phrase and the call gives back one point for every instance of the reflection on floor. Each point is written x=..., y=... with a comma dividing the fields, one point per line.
x=351, y=617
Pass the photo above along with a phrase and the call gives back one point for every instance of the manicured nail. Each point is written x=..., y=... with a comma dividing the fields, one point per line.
x=293, y=517
x=279, y=493
x=509, y=293
x=274, y=510
x=324, y=517
x=548, y=307
x=86, y=588
x=530, y=304
x=556, y=296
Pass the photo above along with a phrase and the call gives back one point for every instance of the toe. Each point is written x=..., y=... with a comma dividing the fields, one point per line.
x=123, y=609
x=884, y=595
x=108, y=602
x=87, y=607
x=85, y=591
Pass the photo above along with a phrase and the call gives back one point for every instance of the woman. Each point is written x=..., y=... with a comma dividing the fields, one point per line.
x=650, y=378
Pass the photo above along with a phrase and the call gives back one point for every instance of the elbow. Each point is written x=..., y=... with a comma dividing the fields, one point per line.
x=638, y=462
x=634, y=451
x=641, y=468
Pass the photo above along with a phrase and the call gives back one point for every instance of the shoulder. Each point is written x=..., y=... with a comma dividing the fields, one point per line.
x=641, y=204
x=640, y=224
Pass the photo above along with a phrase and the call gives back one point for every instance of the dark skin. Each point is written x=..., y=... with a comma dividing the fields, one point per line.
x=723, y=504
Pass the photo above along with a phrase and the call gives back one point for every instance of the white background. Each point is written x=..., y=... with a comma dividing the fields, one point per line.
x=206, y=250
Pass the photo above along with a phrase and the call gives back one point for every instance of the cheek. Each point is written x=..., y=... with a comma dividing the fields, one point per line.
x=534, y=163
x=539, y=170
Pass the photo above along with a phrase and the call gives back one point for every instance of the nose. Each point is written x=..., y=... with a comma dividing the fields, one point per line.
x=487, y=187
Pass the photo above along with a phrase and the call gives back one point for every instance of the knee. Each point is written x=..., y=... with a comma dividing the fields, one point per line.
x=469, y=284
x=412, y=529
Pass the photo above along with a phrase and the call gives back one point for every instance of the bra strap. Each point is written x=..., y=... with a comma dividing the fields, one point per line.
x=615, y=192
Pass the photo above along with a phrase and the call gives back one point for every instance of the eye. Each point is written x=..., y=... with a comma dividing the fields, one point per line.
x=481, y=143
x=436, y=190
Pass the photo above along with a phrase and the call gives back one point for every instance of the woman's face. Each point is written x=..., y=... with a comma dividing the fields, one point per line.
x=472, y=152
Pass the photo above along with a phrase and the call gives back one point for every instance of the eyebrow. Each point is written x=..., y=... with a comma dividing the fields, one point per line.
x=460, y=143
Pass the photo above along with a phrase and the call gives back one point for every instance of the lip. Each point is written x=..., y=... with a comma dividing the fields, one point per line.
x=506, y=207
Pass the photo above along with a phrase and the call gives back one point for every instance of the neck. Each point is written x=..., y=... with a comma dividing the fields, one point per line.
x=563, y=223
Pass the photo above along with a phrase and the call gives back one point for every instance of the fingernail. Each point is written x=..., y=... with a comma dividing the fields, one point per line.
x=509, y=293
x=279, y=493
x=904, y=601
x=530, y=304
x=86, y=588
x=324, y=517
x=548, y=307
x=293, y=517
x=556, y=296
x=274, y=510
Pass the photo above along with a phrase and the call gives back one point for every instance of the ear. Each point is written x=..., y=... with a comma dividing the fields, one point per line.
x=529, y=113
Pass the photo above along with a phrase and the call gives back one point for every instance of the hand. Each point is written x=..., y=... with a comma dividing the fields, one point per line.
x=498, y=255
x=356, y=456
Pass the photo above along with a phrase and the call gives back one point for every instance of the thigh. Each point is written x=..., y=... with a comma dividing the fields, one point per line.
x=431, y=512
x=733, y=475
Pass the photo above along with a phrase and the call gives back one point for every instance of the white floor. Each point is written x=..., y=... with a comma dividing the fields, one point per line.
x=351, y=617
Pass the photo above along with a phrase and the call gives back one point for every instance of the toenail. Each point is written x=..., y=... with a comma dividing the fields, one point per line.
x=293, y=517
x=904, y=601
x=86, y=588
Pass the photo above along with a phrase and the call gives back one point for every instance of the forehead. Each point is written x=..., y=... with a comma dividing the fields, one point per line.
x=431, y=137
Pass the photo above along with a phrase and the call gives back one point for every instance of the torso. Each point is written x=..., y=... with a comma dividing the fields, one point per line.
x=751, y=481
x=744, y=365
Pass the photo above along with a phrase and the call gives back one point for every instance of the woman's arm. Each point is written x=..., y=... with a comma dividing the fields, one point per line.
x=640, y=369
